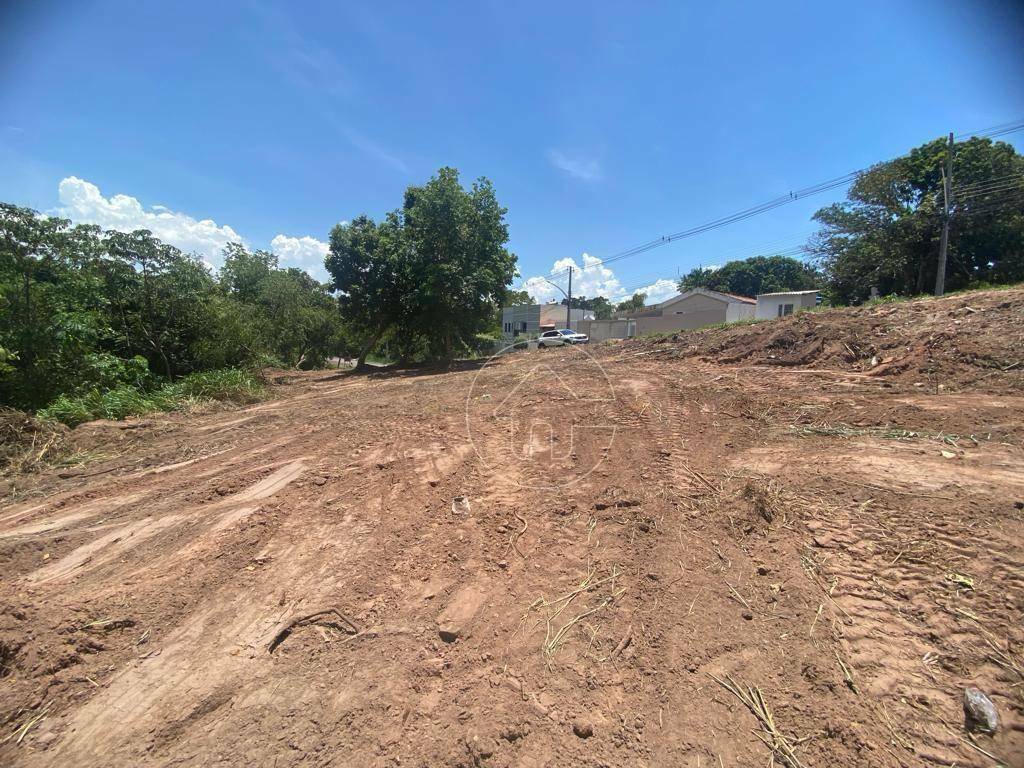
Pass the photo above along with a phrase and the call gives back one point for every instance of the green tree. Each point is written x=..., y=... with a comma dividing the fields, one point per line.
x=52, y=311
x=602, y=307
x=599, y=305
x=433, y=273
x=698, y=277
x=886, y=234
x=758, y=274
x=162, y=299
x=84, y=310
x=368, y=264
x=633, y=304
x=517, y=298
x=245, y=272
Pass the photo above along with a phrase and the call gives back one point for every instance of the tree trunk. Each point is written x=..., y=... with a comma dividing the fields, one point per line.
x=368, y=348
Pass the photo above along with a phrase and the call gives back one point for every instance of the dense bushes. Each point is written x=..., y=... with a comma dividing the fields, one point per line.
x=123, y=401
x=105, y=323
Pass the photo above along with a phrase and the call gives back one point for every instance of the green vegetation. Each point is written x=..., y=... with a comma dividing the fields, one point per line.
x=633, y=304
x=430, y=276
x=759, y=274
x=100, y=324
x=108, y=323
x=123, y=401
x=886, y=234
x=599, y=305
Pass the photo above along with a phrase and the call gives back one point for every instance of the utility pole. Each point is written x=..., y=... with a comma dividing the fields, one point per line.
x=947, y=194
x=568, y=310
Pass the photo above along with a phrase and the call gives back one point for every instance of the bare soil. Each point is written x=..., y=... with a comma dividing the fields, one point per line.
x=499, y=565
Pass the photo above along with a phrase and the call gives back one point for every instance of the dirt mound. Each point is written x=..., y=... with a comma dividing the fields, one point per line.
x=954, y=341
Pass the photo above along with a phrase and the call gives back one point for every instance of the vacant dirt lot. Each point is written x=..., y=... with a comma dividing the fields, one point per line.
x=550, y=560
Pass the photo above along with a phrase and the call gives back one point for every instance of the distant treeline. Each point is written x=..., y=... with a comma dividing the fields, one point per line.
x=84, y=310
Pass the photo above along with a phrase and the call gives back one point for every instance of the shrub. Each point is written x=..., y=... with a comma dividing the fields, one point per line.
x=124, y=401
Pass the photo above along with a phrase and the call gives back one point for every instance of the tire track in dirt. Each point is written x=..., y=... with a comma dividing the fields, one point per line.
x=349, y=506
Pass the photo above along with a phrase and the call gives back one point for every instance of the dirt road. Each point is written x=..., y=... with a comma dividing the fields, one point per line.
x=550, y=560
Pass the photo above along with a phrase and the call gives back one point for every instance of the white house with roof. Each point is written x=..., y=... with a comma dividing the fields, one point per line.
x=784, y=303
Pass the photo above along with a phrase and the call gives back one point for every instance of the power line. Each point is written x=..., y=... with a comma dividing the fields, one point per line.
x=980, y=191
x=996, y=204
x=991, y=132
x=779, y=246
x=793, y=250
x=992, y=180
x=994, y=131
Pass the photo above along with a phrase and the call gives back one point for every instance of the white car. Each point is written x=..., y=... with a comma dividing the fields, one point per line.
x=559, y=338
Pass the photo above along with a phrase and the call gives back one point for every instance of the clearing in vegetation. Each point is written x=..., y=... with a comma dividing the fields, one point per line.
x=803, y=542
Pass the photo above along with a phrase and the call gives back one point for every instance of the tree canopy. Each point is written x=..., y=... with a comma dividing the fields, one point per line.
x=83, y=309
x=431, y=274
x=517, y=298
x=758, y=274
x=599, y=305
x=886, y=234
x=633, y=304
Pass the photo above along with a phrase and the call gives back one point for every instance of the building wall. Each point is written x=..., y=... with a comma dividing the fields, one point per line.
x=768, y=306
x=554, y=314
x=739, y=311
x=694, y=311
x=524, y=318
x=527, y=319
x=599, y=330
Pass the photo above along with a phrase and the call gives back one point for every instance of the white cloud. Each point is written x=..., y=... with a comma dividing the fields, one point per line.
x=82, y=202
x=591, y=279
x=305, y=252
x=659, y=290
x=586, y=170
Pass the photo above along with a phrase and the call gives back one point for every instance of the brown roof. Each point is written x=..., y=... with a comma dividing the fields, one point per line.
x=744, y=299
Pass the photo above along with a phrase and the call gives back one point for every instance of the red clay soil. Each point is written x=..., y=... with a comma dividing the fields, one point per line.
x=956, y=342
x=549, y=560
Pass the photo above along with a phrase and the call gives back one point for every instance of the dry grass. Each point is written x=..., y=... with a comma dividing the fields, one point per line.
x=781, y=746
x=27, y=443
x=604, y=591
x=32, y=718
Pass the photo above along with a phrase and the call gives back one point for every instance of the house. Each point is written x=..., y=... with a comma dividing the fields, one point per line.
x=694, y=308
x=533, y=319
x=784, y=303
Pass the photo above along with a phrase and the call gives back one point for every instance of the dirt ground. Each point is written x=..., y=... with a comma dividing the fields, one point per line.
x=559, y=558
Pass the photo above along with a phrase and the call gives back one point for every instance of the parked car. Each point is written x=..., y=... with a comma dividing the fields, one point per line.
x=559, y=338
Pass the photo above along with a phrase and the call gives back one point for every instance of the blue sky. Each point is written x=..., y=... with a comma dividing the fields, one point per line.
x=601, y=125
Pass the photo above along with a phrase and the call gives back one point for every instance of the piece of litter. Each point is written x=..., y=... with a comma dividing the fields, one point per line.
x=961, y=580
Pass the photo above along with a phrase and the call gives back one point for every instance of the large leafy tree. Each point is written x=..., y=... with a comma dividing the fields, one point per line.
x=886, y=234
x=633, y=304
x=52, y=311
x=758, y=274
x=372, y=270
x=431, y=275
